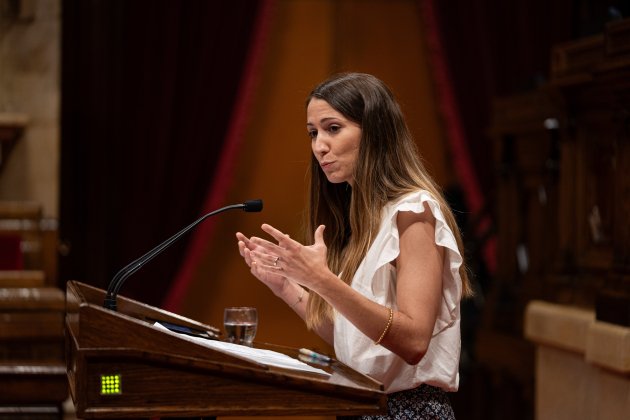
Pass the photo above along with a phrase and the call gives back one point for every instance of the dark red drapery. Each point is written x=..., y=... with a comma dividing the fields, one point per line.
x=148, y=89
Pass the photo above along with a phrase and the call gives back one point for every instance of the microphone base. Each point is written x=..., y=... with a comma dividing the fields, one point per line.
x=110, y=303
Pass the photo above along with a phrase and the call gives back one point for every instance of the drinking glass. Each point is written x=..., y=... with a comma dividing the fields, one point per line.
x=240, y=324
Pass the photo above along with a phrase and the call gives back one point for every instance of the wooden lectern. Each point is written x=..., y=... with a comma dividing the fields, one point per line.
x=120, y=365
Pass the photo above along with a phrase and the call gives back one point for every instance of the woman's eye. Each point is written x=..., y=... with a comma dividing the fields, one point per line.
x=334, y=128
x=312, y=134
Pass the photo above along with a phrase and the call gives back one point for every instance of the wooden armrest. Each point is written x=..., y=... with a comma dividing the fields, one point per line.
x=32, y=298
x=22, y=278
x=20, y=210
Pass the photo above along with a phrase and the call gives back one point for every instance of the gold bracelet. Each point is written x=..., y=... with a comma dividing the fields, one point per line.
x=299, y=297
x=389, y=324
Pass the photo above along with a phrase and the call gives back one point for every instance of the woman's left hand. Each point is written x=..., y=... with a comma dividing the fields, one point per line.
x=297, y=262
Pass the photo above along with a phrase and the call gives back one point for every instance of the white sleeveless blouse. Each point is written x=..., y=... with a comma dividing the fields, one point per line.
x=376, y=279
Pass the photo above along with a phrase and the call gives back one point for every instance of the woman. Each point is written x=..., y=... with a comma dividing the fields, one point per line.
x=384, y=276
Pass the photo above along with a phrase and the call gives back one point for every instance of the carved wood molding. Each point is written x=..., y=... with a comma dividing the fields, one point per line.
x=579, y=61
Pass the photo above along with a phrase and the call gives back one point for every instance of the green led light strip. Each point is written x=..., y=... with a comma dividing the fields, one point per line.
x=111, y=384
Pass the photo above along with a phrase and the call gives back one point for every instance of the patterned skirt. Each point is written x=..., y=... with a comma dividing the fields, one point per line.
x=422, y=403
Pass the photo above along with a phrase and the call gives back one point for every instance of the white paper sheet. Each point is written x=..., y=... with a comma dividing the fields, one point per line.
x=264, y=356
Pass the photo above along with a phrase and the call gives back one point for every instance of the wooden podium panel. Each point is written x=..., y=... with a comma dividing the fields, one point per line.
x=120, y=365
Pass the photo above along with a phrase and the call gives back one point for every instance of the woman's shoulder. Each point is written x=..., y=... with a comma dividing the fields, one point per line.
x=413, y=201
x=421, y=201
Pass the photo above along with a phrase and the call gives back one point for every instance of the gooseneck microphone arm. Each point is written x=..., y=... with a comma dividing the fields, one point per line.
x=129, y=269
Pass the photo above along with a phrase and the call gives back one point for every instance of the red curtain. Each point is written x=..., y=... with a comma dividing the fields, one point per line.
x=217, y=191
x=148, y=91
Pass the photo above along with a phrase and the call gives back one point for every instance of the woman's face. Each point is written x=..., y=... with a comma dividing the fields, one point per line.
x=334, y=140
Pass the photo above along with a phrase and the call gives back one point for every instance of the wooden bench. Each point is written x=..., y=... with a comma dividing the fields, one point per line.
x=28, y=240
x=33, y=382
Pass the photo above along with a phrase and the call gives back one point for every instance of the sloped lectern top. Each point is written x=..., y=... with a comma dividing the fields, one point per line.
x=120, y=365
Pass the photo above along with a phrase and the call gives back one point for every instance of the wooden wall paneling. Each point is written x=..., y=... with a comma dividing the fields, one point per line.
x=595, y=169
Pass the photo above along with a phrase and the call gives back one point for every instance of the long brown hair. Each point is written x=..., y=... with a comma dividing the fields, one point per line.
x=388, y=166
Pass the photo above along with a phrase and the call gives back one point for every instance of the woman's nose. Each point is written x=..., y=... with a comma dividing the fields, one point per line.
x=320, y=146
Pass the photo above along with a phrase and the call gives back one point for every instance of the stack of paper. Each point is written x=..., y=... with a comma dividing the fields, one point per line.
x=266, y=357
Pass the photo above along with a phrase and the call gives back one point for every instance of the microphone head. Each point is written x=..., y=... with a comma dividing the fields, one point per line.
x=253, y=205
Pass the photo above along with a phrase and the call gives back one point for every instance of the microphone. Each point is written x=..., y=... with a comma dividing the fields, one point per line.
x=129, y=269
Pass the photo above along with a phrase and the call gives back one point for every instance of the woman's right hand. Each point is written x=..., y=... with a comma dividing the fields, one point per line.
x=272, y=279
x=263, y=265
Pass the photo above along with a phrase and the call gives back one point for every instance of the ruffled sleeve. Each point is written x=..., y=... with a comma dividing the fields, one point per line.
x=387, y=249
